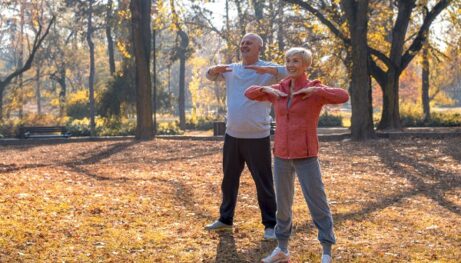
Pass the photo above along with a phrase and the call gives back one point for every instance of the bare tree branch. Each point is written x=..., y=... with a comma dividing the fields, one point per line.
x=36, y=45
x=422, y=33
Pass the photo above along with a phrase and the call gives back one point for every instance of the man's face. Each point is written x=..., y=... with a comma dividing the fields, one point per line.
x=249, y=46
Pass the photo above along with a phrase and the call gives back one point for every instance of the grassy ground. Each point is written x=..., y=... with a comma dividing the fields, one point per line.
x=126, y=201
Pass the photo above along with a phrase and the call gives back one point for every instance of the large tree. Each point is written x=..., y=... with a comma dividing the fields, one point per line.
x=110, y=40
x=142, y=41
x=360, y=87
x=89, y=39
x=181, y=54
x=386, y=67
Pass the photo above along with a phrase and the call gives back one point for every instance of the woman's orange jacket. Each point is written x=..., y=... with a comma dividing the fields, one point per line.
x=296, y=126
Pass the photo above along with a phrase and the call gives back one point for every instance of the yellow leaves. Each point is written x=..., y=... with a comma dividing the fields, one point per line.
x=160, y=14
x=122, y=48
x=53, y=203
x=80, y=96
x=124, y=14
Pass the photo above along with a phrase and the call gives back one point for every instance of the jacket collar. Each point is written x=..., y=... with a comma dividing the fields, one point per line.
x=300, y=82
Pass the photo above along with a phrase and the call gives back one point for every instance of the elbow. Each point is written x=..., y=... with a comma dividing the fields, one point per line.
x=346, y=97
x=252, y=92
x=248, y=92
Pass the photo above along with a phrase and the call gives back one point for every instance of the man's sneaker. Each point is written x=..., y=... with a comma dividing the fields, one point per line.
x=277, y=256
x=326, y=259
x=218, y=226
x=269, y=234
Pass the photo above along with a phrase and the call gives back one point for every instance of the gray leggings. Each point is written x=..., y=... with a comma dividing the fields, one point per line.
x=310, y=178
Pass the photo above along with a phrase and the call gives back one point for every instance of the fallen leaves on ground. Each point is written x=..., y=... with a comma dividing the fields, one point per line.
x=129, y=201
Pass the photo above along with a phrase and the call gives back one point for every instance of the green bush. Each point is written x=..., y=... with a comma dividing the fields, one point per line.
x=438, y=119
x=78, y=110
x=117, y=127
x=412, y=116
x=169, y=128
x=10, y=128
x=79, y=127
x=200, y=123
x=104, y=127
x=327, y=120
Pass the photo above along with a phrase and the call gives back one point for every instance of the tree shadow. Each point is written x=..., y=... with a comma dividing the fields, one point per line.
x=227, y=250
x=7, y=168
x=442, y=180
x=98, y=156
x=184, y=196
x=452, y=147
x=197, y=154
x=416, y=173
x=93, y=157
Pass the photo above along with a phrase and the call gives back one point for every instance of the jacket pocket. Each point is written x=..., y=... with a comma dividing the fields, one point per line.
x=298, y=142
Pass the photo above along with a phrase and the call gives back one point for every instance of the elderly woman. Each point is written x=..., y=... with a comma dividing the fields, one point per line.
x=298, y=102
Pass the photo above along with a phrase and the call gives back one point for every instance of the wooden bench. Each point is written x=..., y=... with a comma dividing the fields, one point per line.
x=219, y=128
x=43, y=132
x=273, y=128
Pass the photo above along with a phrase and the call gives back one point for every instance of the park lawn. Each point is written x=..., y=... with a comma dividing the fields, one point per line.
x=127, y=201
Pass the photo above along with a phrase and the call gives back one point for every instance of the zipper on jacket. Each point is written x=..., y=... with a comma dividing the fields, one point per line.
x=287, y=131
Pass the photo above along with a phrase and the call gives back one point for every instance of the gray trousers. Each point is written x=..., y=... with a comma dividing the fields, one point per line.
x=310, y=178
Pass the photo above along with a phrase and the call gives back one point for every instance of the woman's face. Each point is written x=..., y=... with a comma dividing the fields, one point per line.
x=295, y=65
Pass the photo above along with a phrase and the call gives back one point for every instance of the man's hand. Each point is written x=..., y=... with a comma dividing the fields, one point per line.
x=219, y=69
x=277, y=93
x=263, y=69
x=307, y=92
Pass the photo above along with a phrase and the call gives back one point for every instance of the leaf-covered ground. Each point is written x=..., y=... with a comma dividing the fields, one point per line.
x=127, y=201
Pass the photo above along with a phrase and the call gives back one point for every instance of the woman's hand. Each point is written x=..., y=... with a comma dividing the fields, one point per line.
x=307, y=92
x=277, y=93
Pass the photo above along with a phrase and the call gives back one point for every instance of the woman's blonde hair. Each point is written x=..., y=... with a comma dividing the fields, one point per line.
x=305, y=53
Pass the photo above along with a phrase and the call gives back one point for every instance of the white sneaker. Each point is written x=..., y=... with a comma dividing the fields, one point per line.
x=218, y=226
x=277, y=256
x=327, y=259
x=269, y=234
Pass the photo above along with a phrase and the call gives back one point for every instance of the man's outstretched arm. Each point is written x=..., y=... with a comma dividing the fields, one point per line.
x=214, y=72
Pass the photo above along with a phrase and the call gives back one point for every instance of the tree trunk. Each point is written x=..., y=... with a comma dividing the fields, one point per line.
x=20, y=93
x=280, y=26
x=228, y=34
x=154, y=79
x=1, y=102
x=110, y=40
x=182, y=77
x=63, y=92
x=142, y=41
x=89, y=39
x=425, y=85
x=258, y=6
x=241, y=25
x=360, y=89
x=38, y=96
x=390, y=115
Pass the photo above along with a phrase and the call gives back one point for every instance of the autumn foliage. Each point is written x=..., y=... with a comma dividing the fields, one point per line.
x=128, y=201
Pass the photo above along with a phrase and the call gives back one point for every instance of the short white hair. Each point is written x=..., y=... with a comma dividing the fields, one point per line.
x=257, y=37
x=305, y=53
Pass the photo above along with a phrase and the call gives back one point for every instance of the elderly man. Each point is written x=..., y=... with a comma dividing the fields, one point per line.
x=247, y=138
